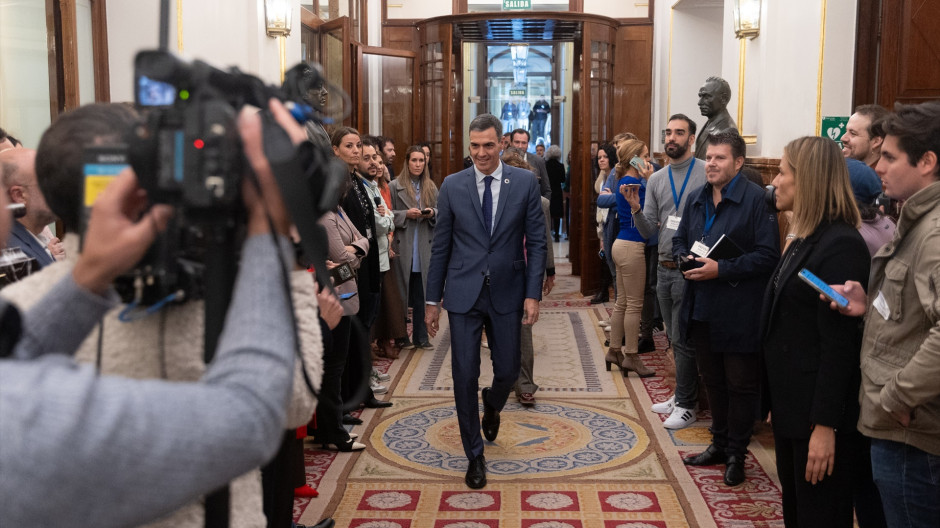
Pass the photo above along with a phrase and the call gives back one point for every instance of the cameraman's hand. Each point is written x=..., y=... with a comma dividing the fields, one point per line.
x=331, y=310
x=270, y=202
x=118, y=234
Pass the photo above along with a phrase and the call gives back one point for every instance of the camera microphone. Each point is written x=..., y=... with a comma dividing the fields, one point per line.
x=378, y=200
x=770, y=197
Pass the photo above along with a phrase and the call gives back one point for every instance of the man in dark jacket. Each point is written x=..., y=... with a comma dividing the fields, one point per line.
x=722, y=299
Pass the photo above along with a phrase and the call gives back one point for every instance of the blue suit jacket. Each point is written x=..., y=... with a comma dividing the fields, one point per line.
x=23, y=239
x=462, y=250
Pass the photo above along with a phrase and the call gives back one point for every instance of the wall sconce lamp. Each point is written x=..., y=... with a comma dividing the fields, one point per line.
x=277, y=22
x=277, y=17
x=746, y=18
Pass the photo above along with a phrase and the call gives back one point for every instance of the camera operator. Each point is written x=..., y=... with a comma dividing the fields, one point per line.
x=138, y=449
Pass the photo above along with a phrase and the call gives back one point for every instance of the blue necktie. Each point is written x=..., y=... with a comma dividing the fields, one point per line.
x=488, y=205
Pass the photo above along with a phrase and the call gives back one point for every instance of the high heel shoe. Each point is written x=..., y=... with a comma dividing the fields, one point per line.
x=634, y=363
x=614, y=357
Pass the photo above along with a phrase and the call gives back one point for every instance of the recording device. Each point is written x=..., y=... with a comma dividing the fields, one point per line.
x=770, y=197
x=817, y=284
x=187, y=153
x=689, y=263
x=344, y=296
x=638, y=163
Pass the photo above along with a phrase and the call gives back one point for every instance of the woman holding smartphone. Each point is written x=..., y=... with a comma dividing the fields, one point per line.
x=628, y=252
x=811, y=353
x=414, y=202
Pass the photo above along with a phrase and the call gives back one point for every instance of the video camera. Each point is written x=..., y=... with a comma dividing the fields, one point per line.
x=187, y=153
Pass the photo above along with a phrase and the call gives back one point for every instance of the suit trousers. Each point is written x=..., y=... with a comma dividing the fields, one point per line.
x=502, y=331
x=828, y=503
x=329, y=418
x=526, y=381
x=732, y=382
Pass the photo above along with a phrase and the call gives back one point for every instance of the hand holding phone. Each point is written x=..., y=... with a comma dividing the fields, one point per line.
x=638, y=163
x=824, y=289
x=427, y=211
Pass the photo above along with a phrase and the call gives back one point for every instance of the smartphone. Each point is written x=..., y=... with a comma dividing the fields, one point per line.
x=427, y=211
x=344, y=296
x=638, y=163
x=817, y=284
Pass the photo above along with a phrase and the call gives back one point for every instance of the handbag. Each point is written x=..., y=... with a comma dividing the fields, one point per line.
x=342, y=273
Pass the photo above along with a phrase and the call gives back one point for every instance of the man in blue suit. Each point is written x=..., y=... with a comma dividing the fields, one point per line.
x=489, y=251
x=19, y=177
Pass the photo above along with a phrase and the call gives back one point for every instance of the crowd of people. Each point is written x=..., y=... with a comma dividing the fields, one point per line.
x=846, y=376
x=848, y=387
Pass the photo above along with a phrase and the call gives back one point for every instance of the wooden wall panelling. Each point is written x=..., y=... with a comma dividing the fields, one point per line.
x=403, y=37
x=68, y=54
x=910, y=51
x=867, y=31
x=633, y=81
x=99, y=44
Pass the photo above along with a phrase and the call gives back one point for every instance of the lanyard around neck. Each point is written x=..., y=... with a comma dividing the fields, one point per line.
x=676, y=198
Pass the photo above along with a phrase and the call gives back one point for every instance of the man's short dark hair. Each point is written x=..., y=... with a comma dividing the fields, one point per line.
x=875, y=114
x=384, y=140
x=60, y=156
x=732, y=139
x=685, y=118
x=724, y=89
x=485, y=122
x=917, y=128
x=512, y=135
x=372, y=141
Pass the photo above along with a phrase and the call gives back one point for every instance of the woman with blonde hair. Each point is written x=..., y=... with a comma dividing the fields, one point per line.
x=811, y=353
x=628, y=252
x=414, y=202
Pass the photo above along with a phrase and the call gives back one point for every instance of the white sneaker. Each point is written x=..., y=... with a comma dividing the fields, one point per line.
x=380, y=376
x=604, y=324
x=680, y=418
x=665, y=407
x=378, y=389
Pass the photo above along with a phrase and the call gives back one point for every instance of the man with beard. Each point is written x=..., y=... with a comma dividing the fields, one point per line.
x=862, y=140
x=713, y=99
x=666, y=195
x=19, y=177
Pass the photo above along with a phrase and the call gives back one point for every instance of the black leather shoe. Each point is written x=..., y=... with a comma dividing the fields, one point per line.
x=734, y=473
x=710, y=457
x=645, y=344
x=476, y=473
x=601, y=297
x=374, y=403
x=349, y=419
x=490, y=421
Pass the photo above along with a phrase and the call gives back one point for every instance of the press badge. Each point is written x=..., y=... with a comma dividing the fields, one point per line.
x=673, y=222
x=881, y=305
x=699, y=249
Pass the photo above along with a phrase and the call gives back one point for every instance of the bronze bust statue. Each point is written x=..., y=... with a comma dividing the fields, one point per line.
x=713, y=99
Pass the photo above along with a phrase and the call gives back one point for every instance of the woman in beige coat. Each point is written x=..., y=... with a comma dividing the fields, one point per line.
x=414, y=202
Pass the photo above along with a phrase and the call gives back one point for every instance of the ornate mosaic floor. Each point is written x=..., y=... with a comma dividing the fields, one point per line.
x=588, y=455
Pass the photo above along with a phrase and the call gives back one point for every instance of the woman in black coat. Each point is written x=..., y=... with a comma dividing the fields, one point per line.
x=556, y=177
x=810, y=352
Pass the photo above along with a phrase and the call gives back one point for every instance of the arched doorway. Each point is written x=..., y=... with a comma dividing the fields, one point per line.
x=599, y=84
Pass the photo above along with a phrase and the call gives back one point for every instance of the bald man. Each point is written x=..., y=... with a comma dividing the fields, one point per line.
x=19, y=178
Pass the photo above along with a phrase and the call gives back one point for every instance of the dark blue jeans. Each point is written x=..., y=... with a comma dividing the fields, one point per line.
x=909, y=482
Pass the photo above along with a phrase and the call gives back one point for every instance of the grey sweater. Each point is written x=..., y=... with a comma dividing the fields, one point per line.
x=119, y=452
x=660, y=202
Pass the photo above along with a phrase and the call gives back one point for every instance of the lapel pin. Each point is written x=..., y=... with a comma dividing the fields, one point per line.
x=506, y=181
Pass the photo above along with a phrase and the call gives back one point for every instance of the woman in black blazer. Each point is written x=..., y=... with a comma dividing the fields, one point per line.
x=810, y=352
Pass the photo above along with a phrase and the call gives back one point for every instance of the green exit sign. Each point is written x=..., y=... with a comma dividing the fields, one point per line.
x=516, y=5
